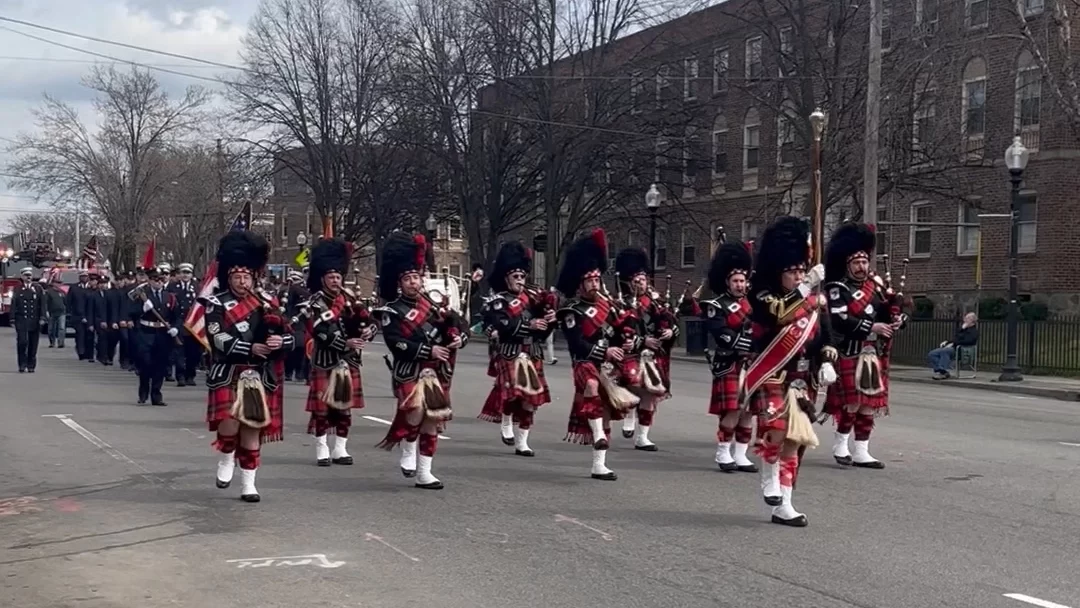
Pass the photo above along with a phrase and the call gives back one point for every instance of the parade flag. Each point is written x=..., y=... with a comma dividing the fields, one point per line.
x=148, y=259
x=90, y=252
x=195, y=322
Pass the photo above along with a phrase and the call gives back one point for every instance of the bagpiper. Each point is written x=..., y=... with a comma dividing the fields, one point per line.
x=783, y=379
x=727, y=319
x=244, y=333
x=862, y=325
x=423, y=336
x=517, y=321
x=592, y=324
x=339, y=326
x=643, y=372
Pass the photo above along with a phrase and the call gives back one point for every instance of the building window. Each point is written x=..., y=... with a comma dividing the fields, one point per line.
x=978, y=13
x=754, y=68
x=920, y=236
x=785, y=138
x=721, y=61
x=633, y=238
x=751, y=229
x=926, y=15
x=660, y=257
x=663, y=81
x=881, y=231
x=751, y=140
x=284, y=228
x=690, y=78
x=787, y=49
x=974, y=102
x=690, y=149
x=1033, y=7
x=659, y=160
x=308, y=229
x=719, y=146
x=454, y=271
x=967, y=237
x=689, y=252
x=922, y=124
x=1026, y=223
x=637, y=88
x=1028, y=99
x=886, y=26
x=450, y=229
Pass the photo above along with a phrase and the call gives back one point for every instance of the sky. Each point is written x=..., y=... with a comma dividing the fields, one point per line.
x=206, y=29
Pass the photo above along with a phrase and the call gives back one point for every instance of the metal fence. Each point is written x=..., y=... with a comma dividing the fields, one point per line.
x=1049, y=347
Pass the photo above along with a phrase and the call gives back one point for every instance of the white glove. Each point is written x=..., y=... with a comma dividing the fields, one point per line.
x=147, y=306
x=815, y=275
x=172, y=332
x=827, y=374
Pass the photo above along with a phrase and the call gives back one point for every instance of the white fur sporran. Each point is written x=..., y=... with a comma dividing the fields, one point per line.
x=428, y=395
x=339, y=388
x=868, y=379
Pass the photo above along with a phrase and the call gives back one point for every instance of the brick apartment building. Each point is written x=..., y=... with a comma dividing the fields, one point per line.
x=738, y=170
x=291, y=211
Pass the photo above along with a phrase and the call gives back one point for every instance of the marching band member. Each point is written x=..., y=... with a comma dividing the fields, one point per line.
x=243, y=333
x=157, y=323
x=335, y=386
x=643, y=372
x=517, y=321
x=862, y=325
x=727, y=319
x=587, y=320
x=782, y=379
x=423, y=337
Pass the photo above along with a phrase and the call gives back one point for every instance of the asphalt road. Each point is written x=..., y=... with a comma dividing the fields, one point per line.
x=115, y=507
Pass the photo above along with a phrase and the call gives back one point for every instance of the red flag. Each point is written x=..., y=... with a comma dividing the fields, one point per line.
x=328, y=228
x=148, y=259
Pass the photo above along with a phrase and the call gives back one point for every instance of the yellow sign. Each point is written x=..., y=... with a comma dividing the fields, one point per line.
x=302, y=258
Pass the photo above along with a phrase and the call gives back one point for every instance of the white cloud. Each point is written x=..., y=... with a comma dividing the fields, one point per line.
x=207, y=29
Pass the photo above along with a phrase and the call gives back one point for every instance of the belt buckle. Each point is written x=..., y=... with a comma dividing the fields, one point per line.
x=868, y=349
x=803, y=365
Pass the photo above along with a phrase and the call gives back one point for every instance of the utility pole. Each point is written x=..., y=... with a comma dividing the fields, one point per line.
x=873, y=116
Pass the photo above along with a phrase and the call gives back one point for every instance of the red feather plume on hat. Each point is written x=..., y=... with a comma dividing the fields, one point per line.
x=421, y=250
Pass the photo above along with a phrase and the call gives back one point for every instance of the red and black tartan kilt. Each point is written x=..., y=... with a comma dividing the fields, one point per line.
x=725, y=393
x=663, y=362
x=219, y=402
x=578, y=429
x=844, y=391
x=400, y=429
x=319, y=379
x=278, y=396
x=503, y=392
x=769, y=399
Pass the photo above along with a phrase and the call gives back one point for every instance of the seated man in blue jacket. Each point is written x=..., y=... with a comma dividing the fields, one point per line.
x=941, y=358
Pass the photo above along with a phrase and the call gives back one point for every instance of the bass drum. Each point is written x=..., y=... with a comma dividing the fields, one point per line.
x=444, y=290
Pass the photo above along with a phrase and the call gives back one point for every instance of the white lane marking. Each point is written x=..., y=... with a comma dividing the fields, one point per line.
x=379, y=539
x=287, y=561
x=388, y=423
x=1071, y=445
x=1034, y=601
x=101, y=445
x=603, y=535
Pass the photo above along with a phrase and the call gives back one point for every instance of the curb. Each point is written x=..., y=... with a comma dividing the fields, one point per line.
x=1017, y=388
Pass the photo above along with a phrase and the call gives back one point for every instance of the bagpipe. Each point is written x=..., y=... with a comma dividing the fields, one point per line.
x=541, y=301
x=893, y=297
x=630, y=324
x=355, y=318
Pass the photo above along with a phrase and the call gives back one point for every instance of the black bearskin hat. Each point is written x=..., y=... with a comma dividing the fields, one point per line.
x=238, y=250
x=630, y=262
x=511, y=257
x=729, y=259
x=585, y=255
x=850, y=240
x=784, y=245
x=328, y=255
x=401, y=254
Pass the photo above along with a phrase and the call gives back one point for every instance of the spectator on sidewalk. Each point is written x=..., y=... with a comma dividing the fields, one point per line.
x=56, y=305
x=941, y=358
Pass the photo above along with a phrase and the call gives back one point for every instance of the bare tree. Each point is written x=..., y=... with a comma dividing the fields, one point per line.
x=318, y=89
x=59, y=228
x=120, y=169
x=1053, y=55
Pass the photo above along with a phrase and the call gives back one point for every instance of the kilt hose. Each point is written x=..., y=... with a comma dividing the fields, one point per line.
x=505, y=399
x=401, y=429
x=324, y=418
x=219, y=402
x=844, y=393
x=588, y=408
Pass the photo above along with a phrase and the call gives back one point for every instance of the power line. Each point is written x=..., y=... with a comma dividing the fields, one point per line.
x=88, y=61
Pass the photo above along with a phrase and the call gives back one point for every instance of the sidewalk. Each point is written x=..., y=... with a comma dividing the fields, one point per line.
x=1047, y=387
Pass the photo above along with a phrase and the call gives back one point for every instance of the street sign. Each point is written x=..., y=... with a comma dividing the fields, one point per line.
x=540, y=243
x=302, y=258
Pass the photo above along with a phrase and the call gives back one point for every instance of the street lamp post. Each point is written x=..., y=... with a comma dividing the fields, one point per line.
x=1016, y=159
x=652, y=203
x=429, y=257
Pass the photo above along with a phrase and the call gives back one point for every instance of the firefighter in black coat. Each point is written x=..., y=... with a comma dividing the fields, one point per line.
x=185, y=357
x=28, y=312
x=97, y=313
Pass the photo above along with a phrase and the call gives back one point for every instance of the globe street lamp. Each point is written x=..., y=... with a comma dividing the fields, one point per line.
x=652, y=203
x=301, y=239
x=1016, y=159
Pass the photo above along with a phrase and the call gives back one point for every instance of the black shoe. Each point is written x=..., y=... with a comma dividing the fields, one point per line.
x=159, y=403
x=52, y=346
x=323, y=462
x=345, y=460
x=728, y=467
x=250, y=497
x=877, y=464
x=525, y=453
x=600, y=444
x=408, y=474
x=774, y=501
x=628, y=434
x=22, y=370
x=506, y=441
x=647, y=448
x=843, y=460
x=170, y=379
x=747, y=468
x=222, y=484
x=61, y=346
x=435, y=485
x=180, y=384
x=611, y=476
x=142, y=401
x=798, y=522
x=30, y=370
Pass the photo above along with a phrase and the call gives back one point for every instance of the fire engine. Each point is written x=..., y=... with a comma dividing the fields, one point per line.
x=43, y=259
